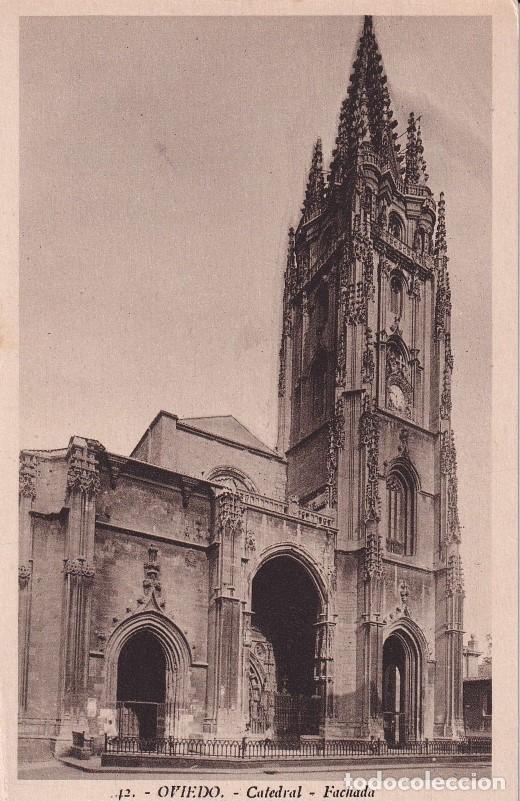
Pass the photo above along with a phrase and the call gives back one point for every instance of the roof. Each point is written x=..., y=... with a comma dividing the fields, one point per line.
x=228, y=427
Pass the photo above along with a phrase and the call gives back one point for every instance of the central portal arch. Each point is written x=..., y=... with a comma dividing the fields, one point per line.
x=285, y=605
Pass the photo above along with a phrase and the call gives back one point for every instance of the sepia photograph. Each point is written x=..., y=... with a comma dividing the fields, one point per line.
x=256, y=403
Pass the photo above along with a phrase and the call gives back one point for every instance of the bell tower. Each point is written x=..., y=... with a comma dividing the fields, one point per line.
x=365, y=375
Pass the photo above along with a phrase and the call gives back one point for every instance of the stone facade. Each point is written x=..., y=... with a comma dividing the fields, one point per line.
x=356, y=510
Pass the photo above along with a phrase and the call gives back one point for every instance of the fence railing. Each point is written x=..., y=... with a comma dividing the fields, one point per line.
x=280, y=749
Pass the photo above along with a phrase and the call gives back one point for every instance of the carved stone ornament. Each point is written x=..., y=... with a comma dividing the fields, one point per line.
x=404, y=440
x=404, y=592
x=448, y=453
x=83, y=474
x=448, y=355
x=281, y=375
x=367, y=362
x=250, y=542
x=445, y=404
x=442, y=303
x=369, y=439
x=340, y=357
x=24, y=575
x=336, y=443
x=28, y=472
x=230, y=513
x=152, y=568
x=332, y=577
x=79, y=568
x=373, y=566
x=455, y=576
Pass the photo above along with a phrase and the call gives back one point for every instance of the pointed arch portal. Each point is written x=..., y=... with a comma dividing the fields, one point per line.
x=285, y=604
x=141, y=686
x=148, y=676
x=402, y=688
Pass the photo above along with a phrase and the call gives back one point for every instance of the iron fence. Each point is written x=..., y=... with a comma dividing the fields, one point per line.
x=281, y=749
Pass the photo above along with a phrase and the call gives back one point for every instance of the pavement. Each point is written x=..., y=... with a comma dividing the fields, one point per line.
x=68, y=769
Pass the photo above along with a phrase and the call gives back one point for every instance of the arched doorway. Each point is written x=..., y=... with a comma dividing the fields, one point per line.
x=141, y=686
x=402, y=688
x=285, y=605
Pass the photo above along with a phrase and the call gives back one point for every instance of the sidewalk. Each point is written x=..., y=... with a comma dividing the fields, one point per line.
x=204, y=767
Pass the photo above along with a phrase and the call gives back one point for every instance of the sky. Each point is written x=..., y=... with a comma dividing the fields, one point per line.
x=163, y=160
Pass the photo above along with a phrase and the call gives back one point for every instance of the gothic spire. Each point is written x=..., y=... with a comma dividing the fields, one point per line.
x=366, y=115
x=315, y=192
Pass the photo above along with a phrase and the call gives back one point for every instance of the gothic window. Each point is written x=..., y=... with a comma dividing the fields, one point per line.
x=319, y=386
x=395, y=225
x=396, y=296
x=232, y=478
x=401, y=513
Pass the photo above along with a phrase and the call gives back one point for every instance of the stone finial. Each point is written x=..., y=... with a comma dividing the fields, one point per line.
x=315, y=192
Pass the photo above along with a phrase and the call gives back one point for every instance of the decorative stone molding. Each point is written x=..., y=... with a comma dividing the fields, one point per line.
x=445, y=404
x=79, y=568
x=369, y=438
x=448, y=355
x=448, y=453
x=373, y=566
x=27, y=475
x=367, y=363
x=341, y=354
x=83, y=474
x=455, y=576
x=336, y=443
x=24, y=575
x=453, y=510
x=230, y=512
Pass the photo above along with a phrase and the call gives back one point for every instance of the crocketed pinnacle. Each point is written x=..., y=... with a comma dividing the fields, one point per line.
x=415, y=165
x=365, y=114
x=411, y=165
x=290, y=270
x=440, y=234
x=315, y=192
x=421, y=164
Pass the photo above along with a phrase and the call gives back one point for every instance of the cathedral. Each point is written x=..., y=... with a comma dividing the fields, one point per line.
x=211, y=586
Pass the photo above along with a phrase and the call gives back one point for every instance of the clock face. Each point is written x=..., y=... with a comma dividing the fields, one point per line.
x=396, y=398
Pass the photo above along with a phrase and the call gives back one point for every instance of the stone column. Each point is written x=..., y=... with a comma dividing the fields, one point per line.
x=224, y=714
x=78, y=572
x=372, y=576
x=27, y=494
x=454, y=723
x=324, y=673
